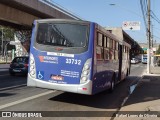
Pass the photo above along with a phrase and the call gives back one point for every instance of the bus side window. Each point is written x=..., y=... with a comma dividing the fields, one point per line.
x=116, y=50
x=99, y=40
x=111, y=50
x=106, y=50
x=105, y=42
x=108, y=41
x=99, y=46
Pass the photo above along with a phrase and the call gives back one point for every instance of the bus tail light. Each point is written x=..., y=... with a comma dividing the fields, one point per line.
x=32, y=66
x=86, y=71
x=84, y=88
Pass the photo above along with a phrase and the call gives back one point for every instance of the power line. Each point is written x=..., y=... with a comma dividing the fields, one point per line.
x=144, y=11
x=156, y=36
x=155, y=17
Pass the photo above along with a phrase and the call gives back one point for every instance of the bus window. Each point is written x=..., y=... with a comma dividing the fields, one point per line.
x=106, y=54
x=117, y=45
x=42, y=34
x=111, y=54
x=99, y=53
x=99, y=40
x=116, y=55
x=68, y=35
x=105, y=41
x=111, y=43
x=99, y=47
x=108, y=42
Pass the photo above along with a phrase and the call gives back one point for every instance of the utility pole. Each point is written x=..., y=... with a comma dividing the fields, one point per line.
x=149, y=37
x=152, y=41
x=2, y=41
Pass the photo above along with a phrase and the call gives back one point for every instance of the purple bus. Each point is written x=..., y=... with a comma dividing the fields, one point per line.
x=76, y=56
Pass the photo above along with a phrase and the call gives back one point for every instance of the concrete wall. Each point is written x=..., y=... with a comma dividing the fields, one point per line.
x=16, y=16
x=117, y=31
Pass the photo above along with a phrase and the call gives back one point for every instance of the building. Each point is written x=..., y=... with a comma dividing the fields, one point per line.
x=123, y=36
x=144, y=46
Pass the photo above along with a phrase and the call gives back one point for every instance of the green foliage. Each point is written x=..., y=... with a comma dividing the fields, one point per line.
x=8, y=33
x=23, y=35
x=158, y=51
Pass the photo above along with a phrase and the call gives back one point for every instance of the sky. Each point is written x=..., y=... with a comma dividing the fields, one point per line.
x=107, y=15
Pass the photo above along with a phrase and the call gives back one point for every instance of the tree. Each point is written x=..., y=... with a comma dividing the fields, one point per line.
x=6, y=35
x=23, y=35
x=158, y=51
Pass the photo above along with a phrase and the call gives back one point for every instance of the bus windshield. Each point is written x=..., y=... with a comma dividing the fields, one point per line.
x=62, y=34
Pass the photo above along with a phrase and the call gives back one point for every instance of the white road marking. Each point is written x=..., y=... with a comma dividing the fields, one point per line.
x=133, y=88
x=26, y=99
x=13, y=87
x=124, y=101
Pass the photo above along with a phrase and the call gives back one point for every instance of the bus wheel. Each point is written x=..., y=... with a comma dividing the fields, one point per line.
x=111, y=89
x=127, y=73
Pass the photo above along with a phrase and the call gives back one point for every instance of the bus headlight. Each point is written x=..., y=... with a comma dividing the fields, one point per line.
x=32, y=61
x=86, y=67
x=32, y=69
x=32, y=72
x=86, y=71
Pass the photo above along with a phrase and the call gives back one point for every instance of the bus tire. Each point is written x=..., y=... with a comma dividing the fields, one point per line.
x=111, y=89
x=127, y=73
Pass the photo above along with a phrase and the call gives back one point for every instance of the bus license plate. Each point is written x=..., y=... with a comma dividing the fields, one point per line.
x=56, y=77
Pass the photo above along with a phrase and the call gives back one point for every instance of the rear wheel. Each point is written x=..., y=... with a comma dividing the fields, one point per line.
x=111, y=89
x=127, y=72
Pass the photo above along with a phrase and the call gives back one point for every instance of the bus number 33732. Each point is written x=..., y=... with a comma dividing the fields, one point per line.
x=73, y=61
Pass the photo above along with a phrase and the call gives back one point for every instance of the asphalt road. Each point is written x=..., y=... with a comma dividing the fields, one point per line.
x=9, y=81
x=16, y=96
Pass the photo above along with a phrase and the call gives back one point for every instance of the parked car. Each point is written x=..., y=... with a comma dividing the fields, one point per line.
x=19, y=65
x=134, y=61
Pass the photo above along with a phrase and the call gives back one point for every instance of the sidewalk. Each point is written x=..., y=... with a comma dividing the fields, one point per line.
x=144, y=102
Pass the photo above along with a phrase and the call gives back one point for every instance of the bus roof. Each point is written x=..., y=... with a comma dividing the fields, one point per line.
x=60, y=20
